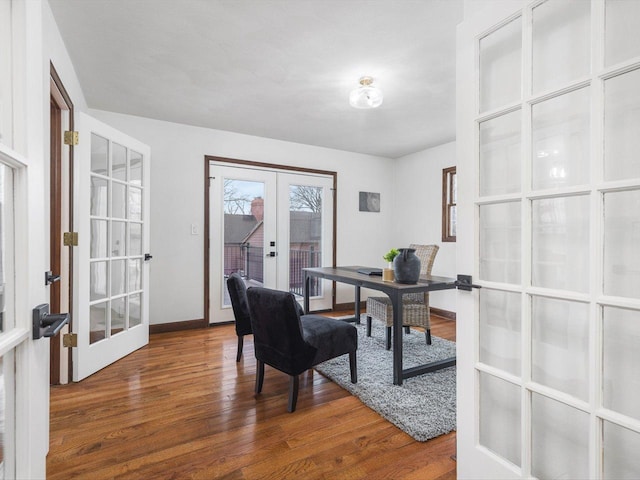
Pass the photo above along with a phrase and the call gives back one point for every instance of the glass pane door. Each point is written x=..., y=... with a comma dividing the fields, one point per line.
x=242, y=230
x=244, y=253
x=111, y=290
x=305, y=205
x=305, y=236
x=267, y=225
x=555, y=181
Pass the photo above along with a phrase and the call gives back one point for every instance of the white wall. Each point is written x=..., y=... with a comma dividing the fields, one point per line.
x=177, y=201
x=56, y=53
x=417, y=216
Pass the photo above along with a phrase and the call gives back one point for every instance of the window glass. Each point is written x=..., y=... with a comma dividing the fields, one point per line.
x=560, y=436
x=500, y=66
x=621, y=240
x=500, y=413
x=560, y=345
x=500, y=154
x=560, y=243
x=561, y=141
x=621, y=361
x=500, y=329
x=305, y=236
x=621, y=126
x=561, y=43
x=500, y=242
x=620, y=452
x=622, y=35
x=449, y=204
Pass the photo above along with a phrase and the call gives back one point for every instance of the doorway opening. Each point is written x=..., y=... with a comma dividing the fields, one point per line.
x=266, y=222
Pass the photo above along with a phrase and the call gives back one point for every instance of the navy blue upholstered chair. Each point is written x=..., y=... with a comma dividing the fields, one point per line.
x=292, y=343
x=238, y=294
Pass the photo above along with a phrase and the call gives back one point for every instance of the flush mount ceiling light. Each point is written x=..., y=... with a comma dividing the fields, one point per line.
x=366, y=95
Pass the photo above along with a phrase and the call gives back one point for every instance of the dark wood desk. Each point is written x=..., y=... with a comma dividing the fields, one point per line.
x=395, y=291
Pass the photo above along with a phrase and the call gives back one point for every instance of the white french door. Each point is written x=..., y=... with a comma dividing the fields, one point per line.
x=12, y=331
x=111, y=301
x=267, y=226
x=549, y=221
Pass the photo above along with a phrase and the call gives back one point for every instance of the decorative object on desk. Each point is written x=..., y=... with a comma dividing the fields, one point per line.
x=406, y=266
x=387, y=273
x=423, y=406
x=369, y=202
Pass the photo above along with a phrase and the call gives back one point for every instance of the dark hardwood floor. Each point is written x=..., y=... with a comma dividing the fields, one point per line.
x=181, y=407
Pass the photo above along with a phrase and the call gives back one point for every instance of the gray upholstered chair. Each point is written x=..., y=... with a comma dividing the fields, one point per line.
x=415, y=306
x=292, y=343
x=238, y=294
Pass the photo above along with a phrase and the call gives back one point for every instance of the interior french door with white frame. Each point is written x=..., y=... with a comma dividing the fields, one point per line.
x=13, y=331
x=111, y=280
x=267, y=225
x=549, y=221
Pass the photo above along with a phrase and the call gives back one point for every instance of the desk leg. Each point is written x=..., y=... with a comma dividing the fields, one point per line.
x=307, y=280
x=396, y=302
x=357, y=309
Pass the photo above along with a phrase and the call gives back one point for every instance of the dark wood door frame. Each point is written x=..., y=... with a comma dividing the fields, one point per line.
x=272, y=166
x=59, y=101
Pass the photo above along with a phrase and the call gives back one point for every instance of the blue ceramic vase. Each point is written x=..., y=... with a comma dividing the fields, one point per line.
x=406, y=266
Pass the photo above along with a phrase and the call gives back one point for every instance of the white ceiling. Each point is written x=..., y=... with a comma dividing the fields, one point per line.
x=280, y=69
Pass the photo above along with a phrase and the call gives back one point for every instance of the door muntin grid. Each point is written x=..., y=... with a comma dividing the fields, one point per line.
x=576, y=327
x=116, y=256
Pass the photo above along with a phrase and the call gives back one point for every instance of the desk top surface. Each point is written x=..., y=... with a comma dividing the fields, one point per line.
x=349, y=274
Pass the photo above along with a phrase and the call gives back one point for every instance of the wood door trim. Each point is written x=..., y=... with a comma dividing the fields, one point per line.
x=55, y=226
x=273, y=166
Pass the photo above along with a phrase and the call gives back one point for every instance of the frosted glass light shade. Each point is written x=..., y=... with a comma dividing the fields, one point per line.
x=366, y=95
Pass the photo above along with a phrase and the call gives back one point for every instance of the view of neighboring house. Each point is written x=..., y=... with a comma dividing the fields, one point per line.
x=244, y=239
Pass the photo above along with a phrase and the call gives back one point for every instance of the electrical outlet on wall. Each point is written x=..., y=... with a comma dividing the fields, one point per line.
x=194, y=229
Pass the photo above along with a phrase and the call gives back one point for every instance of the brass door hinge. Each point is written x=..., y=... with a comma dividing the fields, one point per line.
x=70, y=340
x=70, y=239
x=70, y=137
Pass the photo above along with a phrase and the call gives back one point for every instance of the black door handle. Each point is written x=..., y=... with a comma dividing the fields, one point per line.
x=147, y=257
x=464, y=282
x=45, y=324
x=49, y=278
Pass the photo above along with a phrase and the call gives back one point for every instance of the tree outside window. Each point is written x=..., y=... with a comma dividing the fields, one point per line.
x=449, y=199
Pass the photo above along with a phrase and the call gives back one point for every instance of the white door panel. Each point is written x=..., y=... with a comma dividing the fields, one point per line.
x=112, y=220
x=547, y=221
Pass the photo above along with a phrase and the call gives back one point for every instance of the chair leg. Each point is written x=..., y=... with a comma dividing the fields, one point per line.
x=407, y=330
x=240, y=345
x=428, y=335
x=368, y=325
x=388, y=338
x=293, y=393
x=353, y=367
x=259, y=376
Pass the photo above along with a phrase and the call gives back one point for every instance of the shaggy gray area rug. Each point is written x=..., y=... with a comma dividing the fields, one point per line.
x=423, y=406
